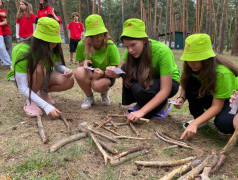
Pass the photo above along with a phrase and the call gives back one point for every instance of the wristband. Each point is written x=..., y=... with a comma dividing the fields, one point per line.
x=182, y=98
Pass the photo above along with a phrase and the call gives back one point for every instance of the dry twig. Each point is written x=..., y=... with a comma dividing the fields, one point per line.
x=134, y=129
x=66, y=123
x=41, y=131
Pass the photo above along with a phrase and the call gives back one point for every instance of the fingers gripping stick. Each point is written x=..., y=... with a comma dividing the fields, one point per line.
x=234, y=106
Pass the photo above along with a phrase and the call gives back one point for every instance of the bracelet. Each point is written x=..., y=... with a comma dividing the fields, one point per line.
x=182, y=98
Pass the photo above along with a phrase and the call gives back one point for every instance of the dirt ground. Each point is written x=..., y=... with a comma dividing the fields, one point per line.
x=24, y=156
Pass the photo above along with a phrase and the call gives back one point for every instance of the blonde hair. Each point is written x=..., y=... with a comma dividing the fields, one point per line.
x=27, y=11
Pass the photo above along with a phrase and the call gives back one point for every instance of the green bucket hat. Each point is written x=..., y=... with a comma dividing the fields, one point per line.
x=134, y=28
x=48, y=30
x=94, y=25
x=198, y=47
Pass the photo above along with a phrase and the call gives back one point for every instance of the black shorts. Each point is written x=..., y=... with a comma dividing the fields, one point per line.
x=73, y=44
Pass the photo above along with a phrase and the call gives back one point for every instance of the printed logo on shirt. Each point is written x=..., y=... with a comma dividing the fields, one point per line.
x=128, y=26
x=58, y=31
x=187, y=47
x=105, y=60
x=96, y=23
x=45, y=12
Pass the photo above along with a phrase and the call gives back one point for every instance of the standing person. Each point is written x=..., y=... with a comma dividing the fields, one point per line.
x=4, y=56
x=33, y=63
x=207, y=82
x=98, y=51
x=75, y=32
x=45, y=11
x=6, y=31
x=151, y=75
x=25, y=22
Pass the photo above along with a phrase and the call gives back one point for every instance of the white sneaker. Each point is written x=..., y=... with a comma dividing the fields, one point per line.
x=88, y=102
x=185, y=125
x=12, y=78
x=105, y=99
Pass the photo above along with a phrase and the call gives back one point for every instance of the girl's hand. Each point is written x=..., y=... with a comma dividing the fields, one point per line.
x=54, y=113
x=110, y=73
x=86, y=63
x=190, y=131
x=233, y=97
x=134, y=116
x=68, y=73
x=98, y=73
x=18, y=40
x=180, y=102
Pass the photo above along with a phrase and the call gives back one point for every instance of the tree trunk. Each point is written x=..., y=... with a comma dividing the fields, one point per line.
x=216, y=29
x=155, y=18
x=181, y=16
x=160, y=18
x=80, y=11
x=234, y=51
x=201, y=19
x=197, y=16
x=223, y=25
x=122, y=12
x=183, y=22
x=187, y=30
x=208, y=23
x=99, y=7
x=94, y=6
x=172, y=19
x=166, y=22
x=89, y=4
x=63, y=15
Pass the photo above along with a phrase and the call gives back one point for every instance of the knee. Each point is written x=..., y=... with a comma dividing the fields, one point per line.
x=80, y=73
x=224, y=125
x=100, y=86
x=70, y=83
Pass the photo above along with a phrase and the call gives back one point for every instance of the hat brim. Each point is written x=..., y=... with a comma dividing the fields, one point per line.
x=47, y=38
x=95, y=31
x=134, y=34
x=197, y=56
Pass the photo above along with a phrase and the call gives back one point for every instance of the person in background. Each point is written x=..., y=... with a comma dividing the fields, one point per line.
x=98, y=51
x=75, y=33
x=25, y=22
x=33, y=61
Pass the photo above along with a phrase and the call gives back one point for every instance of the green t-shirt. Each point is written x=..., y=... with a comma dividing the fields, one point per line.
x=226, y=82
x=162, y=60
x=102, y=57
x=19, y=52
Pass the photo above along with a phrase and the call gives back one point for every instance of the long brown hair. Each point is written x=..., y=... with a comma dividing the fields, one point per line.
x=88, y=43
x=207, y=74
x=2, y=8
x=44, y=5
x=141, y=69
x=27, y=11
x=39, y=53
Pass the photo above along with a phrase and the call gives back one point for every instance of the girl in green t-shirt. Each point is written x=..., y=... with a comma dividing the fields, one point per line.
x=207, y=82
x=94, y=53
x=33, y=63
x=151, y=75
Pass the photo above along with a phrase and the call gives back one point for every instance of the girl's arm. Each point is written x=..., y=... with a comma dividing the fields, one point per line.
x=191, y=130
x=3, y=14
x=4, y=21
x=165, y=89
x=181, y=99
x=17, y=30
x=63, y=69
x=34, y=26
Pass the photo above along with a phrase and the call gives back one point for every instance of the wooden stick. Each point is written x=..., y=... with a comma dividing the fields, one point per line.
x=172, y=142
x=104, y=122
x=113, y=124
x=134, y=129
x=220, y=162
x=104, y=136
x=108, y=129
x=127, y=152
x=41, y=131
x=117, y=124
x=66, y=123
x=181, y=170
x=164, y=163
x=107, y=147
x=207, y=169
x=127, y=158
x=128, y=137
x=119, y=177
x=118, y=115
x=66, y=140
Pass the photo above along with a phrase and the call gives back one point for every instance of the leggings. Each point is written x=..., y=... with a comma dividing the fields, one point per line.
x=197, y=106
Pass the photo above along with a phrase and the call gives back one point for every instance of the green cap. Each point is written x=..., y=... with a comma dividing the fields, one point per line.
x=94, y=25
x=198, y=47
x=134, y=28
x=48, y=30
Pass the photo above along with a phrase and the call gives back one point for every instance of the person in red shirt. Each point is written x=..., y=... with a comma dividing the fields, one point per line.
x=45, y=11
x=6, y=31
x=25, y=22
x=75, y=32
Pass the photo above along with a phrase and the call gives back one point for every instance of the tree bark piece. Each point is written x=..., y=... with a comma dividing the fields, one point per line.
x=66, y=123
x=182, y=169
x=41, y=131
x=104, y=122
x=103, y=135
x=134, y=129
x=107, y=147
x=179, y=143
x=66, y=140
x=127, y=152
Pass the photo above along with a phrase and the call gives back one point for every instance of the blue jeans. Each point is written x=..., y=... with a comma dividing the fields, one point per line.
x=8, y=44
x=3, y=53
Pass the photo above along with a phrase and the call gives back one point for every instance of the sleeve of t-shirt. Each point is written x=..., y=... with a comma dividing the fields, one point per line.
x=165, y=62
x=80, y=52
x=33, y=19
x=125, y=56
x=113, y=55
x=18, y=54
x=82, y=27
x=49, y=10
x=17, y=20
x=37, y=15
x=225, y=84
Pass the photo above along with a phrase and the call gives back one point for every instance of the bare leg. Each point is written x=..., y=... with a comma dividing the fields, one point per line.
x=38, y=77
x=235, y=121
x=84, y=78
x=59, y=83
x=71, y=56
x=101, y=85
